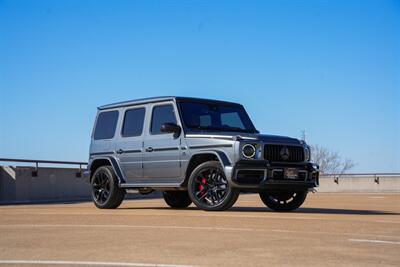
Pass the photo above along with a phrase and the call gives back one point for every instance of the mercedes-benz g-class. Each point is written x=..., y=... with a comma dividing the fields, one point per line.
x=194, y=150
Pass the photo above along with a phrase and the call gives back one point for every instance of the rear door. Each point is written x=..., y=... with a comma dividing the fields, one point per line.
x=104, y=133
x=129, y=145
x=162, y=150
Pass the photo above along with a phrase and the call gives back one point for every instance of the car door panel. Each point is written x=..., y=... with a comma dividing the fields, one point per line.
x=129, y=147
x=162, y=150
x=130, y=159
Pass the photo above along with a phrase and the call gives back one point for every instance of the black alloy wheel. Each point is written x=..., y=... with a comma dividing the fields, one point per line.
x=101, y=187
x=106, y=193
x=209, y=189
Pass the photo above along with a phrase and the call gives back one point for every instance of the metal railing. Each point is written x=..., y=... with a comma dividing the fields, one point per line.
x=36, y=162
x=375, y=176
x=336, y=177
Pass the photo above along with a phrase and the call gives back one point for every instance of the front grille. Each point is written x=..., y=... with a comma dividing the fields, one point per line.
x=283, y=153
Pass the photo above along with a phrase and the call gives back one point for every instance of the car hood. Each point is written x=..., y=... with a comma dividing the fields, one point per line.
x=249, y=136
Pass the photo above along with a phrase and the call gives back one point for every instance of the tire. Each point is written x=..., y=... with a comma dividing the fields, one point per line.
x=283, y=201
x=106, y=194
x=177, y=199
x=209, y=189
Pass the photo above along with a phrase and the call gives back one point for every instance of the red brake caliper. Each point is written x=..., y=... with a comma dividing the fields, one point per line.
x=204, y=182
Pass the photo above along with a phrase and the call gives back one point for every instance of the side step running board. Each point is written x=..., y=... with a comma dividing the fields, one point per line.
x=151, y=185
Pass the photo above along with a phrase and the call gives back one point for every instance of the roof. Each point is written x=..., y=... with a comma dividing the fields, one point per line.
x=157, y=99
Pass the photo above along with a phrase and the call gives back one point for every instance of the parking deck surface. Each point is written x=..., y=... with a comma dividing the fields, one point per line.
x=329, y=230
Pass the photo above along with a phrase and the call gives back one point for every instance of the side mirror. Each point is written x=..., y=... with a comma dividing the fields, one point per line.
x=170, y=127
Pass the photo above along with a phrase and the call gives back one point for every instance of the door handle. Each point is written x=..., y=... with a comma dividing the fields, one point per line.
x=149, y=149
x=120, y=151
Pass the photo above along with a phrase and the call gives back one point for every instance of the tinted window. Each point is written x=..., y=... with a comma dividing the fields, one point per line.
x=205, y=120
x=231, y=119
x=106, y=124
x=133, y=122
x=209, y=116
x=161, y=115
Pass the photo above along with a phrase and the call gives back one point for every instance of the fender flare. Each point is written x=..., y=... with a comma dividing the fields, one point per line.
x=222, y=158
x=114, y=164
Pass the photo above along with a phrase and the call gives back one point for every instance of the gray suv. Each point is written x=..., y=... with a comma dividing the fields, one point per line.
x=194, y=150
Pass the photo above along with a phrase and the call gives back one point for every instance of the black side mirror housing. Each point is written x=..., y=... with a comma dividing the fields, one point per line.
x=170, y=127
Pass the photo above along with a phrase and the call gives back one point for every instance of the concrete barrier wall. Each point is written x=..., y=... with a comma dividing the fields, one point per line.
x=17, y=185
x=388, y=184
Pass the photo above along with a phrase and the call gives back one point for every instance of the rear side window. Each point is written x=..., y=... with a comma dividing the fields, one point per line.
x=162, y=114
x=106, y=124
x=133, y=122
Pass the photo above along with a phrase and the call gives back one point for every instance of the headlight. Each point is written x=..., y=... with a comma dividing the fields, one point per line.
x=307, y=153
x=248, y=151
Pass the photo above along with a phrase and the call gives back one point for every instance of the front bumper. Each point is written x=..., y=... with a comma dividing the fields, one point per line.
x=260, y=175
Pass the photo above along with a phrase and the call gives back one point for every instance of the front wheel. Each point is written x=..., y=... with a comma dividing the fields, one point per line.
x=283, y=201
x=209, y=189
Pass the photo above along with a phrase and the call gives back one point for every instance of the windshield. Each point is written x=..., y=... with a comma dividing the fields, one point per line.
x=204, y=116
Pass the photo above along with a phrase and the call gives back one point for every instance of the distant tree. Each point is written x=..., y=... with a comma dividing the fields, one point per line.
x=330, y=161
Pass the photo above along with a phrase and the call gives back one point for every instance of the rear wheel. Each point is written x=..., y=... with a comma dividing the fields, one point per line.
x=209, y=189
x=283, y=201
x=106, y=193
x=177, y=199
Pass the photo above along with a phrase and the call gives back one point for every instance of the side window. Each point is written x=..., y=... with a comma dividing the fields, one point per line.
x=106, y=124
x=133, y=122
x=161, y=114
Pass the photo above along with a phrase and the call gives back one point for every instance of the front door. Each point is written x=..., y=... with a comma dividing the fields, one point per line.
x=162, y=150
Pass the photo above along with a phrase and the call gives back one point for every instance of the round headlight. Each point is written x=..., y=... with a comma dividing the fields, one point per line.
x=248, y=151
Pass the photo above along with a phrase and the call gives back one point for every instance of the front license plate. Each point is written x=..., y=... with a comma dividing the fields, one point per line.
x=291, y=173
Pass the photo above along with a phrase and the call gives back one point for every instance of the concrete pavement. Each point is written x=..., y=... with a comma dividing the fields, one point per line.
x=329, y=230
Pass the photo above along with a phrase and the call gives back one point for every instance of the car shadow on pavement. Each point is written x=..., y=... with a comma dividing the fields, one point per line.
x=265, y=209
x=319, y=211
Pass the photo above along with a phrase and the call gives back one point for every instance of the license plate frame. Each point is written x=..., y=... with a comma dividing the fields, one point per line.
x=291, y=173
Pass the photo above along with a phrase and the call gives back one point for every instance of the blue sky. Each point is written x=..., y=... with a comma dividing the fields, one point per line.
x=331, y=68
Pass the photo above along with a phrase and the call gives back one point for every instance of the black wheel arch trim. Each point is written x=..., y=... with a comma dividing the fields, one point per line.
x=222, y=157
x=114, y=164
